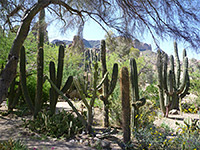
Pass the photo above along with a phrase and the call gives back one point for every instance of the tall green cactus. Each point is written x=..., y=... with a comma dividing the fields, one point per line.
x=57, y=79
x=125, y=99
x=137, y=102
x=171, y=85
x=23, y=80
x=40, y=63
x=108, y=87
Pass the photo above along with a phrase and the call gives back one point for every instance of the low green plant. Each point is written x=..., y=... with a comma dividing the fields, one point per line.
x=63, y=124
x=12, y=145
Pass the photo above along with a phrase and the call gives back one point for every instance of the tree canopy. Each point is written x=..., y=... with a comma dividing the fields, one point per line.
x=179, y=19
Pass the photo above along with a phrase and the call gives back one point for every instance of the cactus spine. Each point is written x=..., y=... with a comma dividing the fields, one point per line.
x=57, y=79
x=108, y=87
x=137, y=102
x=125, y=99
x=170, y=84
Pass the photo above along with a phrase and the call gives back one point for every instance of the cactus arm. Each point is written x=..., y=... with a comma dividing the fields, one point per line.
x=102, y=81
x=165, y=73
x=185, y=92
x=114, y=79
x=134, y=79
x=184, y=53
x=178, y=68
x=78, y=87
x=52, y=92
x=60, y=66
x=67, y=85
x=180, y=90
x=104, y=68
x=173, y=72
x=160, y=81
x=95, y=76
x=69, y=102
x=23, y=79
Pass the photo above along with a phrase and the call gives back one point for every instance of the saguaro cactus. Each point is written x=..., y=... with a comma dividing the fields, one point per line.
x=170, y=83
x=137, y=102
x=108, y=87
x=125, y=99
x=57, y=80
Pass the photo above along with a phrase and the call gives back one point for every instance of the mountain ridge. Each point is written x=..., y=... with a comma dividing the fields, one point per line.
x=96, y=44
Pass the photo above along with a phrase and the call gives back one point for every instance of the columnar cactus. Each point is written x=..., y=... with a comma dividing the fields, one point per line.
x=170, y=84
x=40, y=68
x=23, y=80
x=137, y=102
x=125, y=99
x=57, y=79
x=108, y=87
x=40, y=63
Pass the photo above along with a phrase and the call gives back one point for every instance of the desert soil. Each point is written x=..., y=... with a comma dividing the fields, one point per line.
x=10, y=128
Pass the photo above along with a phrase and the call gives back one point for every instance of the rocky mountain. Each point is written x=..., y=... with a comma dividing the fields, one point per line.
x=87, y=43
x=96, y=44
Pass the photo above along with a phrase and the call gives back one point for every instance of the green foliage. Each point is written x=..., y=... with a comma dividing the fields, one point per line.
x=12, y=145
x=145, y=116
x=6, y=40
x=151, y=93
x=62, y=124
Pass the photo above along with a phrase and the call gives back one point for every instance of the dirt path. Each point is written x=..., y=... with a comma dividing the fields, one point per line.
x=172, y=119
x=10, y=128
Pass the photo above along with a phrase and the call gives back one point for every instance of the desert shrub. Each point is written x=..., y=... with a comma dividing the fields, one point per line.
x=62, y=124
x=151, y=93
x=188, y=135
x=146, y=116
x=190, y=108
x=149, y=137
x=12, y=145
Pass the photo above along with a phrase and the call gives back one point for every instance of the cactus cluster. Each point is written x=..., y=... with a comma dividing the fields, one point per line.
x=57, y=79
x=83, y=88
x=125, y=98
x=169, y=83
x=108, y=85
x=90, y=56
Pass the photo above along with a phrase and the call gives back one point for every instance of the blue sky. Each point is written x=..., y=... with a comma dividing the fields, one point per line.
x=92, y=31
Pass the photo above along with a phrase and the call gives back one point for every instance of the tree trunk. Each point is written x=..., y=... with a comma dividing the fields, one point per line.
x=9, y=72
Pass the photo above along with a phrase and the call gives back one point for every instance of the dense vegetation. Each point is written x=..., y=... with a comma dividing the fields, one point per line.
x=65, y=124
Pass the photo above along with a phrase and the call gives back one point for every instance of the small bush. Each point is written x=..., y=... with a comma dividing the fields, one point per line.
x=63, y=124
